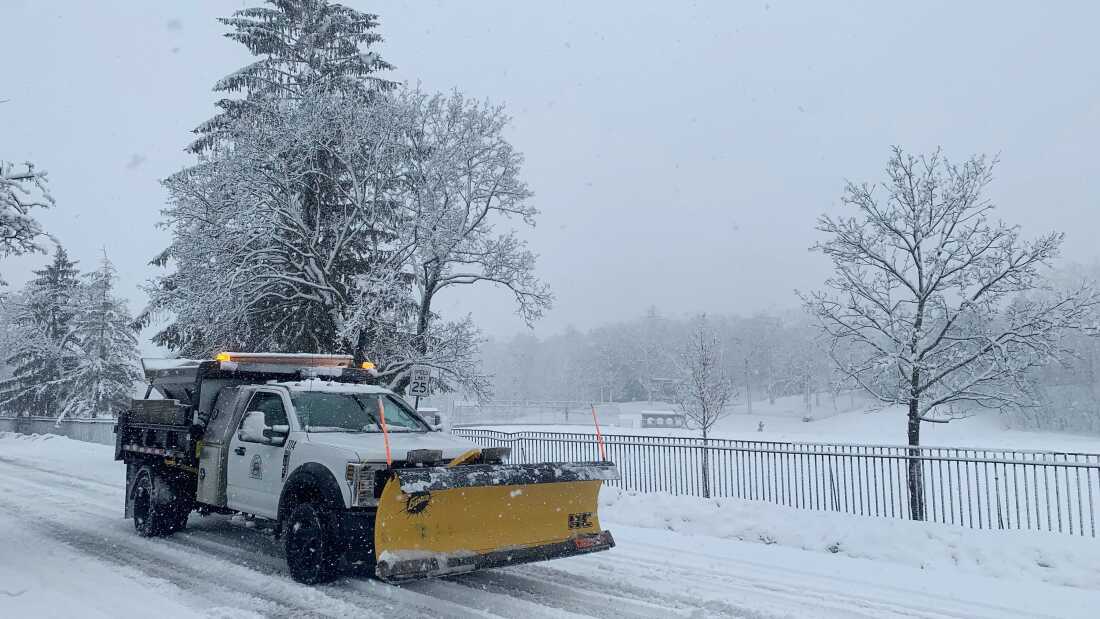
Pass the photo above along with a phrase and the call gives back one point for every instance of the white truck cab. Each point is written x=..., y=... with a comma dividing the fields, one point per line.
x=280, y=426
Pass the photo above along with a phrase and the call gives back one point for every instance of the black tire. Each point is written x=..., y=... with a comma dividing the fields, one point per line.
x=158, y=508
x=311, y=552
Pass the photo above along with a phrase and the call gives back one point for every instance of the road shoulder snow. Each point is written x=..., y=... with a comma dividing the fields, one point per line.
x=43, y=577
x=1030, y=556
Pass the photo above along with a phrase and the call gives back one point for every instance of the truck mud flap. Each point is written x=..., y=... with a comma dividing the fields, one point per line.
x=436, y=521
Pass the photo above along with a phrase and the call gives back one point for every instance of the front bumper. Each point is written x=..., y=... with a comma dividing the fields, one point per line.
x=414, y=568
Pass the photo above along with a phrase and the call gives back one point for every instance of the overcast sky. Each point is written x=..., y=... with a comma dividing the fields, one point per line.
x=680, y=153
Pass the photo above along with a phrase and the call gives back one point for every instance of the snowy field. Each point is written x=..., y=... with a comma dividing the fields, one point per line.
x=66, y=551
x=783, y=422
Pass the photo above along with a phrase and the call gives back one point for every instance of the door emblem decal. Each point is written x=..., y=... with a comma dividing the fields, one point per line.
x=256, y=471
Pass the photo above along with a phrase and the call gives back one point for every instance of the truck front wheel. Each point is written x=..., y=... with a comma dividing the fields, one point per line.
x=158, y=510
x=311, y=552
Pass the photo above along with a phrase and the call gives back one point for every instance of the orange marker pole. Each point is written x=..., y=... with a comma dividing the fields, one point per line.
x=385, y=431
x=599, y=436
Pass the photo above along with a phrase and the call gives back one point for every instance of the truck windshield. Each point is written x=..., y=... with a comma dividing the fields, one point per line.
x=352, y=412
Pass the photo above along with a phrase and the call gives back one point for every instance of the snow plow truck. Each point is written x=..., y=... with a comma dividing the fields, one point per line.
x=343, y=470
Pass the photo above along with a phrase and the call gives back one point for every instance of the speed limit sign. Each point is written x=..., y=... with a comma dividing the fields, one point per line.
x=419, y=382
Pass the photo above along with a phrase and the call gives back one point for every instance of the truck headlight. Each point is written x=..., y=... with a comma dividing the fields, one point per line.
x=360, y=479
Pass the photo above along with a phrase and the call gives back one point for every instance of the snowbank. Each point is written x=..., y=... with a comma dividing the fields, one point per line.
x=1027, y=555
x=81, y=459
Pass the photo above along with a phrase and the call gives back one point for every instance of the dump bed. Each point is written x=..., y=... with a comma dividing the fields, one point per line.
x=155, y=428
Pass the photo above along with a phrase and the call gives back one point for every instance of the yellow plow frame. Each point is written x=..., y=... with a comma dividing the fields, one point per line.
x=444, y=520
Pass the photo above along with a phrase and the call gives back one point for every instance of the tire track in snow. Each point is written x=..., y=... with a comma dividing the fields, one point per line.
x=202, y=578
x=201, y=589
x=33, y=467
x=550, y=582
x=577, y=595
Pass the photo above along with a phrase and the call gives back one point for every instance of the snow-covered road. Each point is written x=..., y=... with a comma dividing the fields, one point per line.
x=66, y=551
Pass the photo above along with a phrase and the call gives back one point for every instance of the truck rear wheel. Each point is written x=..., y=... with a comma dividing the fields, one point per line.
x=311, y=552
x=158, y=508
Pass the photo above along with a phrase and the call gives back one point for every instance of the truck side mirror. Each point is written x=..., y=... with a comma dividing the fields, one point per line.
x=252, y=429
x=276, y=435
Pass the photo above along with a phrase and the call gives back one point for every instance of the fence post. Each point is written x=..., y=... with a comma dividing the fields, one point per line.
x=706, y=470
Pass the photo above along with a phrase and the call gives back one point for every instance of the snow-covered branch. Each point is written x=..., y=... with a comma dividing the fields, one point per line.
x=23, y=188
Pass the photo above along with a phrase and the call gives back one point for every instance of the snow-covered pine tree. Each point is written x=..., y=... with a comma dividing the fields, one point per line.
x=103, y=380
x=9, y=304
x=43, y=351
x=22, y=189
x=275, y=233
x=264, y=260
x=303, y=46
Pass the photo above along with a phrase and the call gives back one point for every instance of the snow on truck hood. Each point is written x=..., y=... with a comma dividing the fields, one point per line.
x=369, y=446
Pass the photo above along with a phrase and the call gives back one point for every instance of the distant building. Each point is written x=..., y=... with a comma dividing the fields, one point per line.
x=653, y=419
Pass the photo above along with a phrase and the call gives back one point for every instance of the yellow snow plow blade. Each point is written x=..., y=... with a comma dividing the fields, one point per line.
x=436, y=521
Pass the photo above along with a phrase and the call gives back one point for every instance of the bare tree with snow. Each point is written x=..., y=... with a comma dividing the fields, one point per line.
x=463, y=184
x=706, y=388
x=934, y=303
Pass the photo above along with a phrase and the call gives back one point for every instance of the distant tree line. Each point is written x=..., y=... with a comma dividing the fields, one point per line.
x=764, y=356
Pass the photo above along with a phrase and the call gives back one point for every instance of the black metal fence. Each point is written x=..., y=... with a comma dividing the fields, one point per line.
x=972, y=487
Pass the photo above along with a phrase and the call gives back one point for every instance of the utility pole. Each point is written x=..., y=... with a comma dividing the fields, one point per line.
x=748, y=388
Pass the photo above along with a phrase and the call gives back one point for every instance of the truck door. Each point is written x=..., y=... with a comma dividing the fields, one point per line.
x=254, y=479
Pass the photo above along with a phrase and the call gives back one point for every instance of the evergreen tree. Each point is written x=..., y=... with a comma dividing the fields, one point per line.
x=261, y=265
x=303, y=46
x=43, y=351
x=9, y=304
x=102, y=382
x=281, y=199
